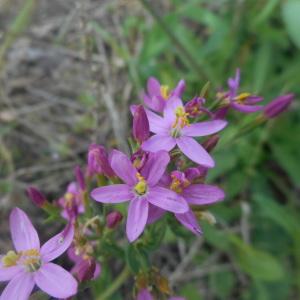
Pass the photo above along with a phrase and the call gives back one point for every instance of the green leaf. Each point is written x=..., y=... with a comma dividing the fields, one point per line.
x=290, y=14
x=257, y=263
x=137, y=258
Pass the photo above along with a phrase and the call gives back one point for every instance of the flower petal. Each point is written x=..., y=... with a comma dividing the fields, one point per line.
x=123, y=167
x=137, y=218
x=24, y=235
x=189, y=221
x=7, y=273
x=203, y=194
x=153, y=87
x=204, y=128
x=55, y=281
x=246, y=108
x=167, y=200
x=154, y=214
x=19, y=288
x=179, y=89
x=155, y=167
x=155, y=103
x=157, y=123
x=114, y=193
x=169, y=112
x=159, y=142
x=195, y=151
x=58, y=244
x=144, y=294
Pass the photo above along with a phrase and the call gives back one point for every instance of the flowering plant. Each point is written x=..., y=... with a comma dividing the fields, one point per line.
x=163, y=180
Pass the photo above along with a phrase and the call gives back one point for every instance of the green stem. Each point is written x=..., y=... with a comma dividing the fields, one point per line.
x=115, y=285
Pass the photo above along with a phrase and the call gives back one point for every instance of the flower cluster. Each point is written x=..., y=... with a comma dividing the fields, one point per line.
x=164, y=174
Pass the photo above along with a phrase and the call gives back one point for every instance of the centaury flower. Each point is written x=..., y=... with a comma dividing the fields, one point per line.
x=157, y=95
x=31, y=265
x=174, y=129
x=141, y=188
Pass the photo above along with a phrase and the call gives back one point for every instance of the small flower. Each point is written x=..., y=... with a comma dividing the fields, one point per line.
x=193, y=194
x=174, y=129
x=36, y=196
x=98, y=161
x=113, y=219
x=277, y=106
x=140, y=124
x=31, y=265
x=141, y=188
x=244, y=102
x=71, y=202
x=157, y=95
x=195, y=107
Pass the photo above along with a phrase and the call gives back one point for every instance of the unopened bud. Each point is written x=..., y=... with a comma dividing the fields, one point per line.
x=36, y=196
x=277, y=106
x=79, y=178
x=211, y=143
x=84, y=270
x=140, y=128
x=113, y=219
x=98, y=161
x=206, y=216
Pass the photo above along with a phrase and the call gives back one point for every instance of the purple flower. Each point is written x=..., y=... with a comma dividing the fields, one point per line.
x=85, y=267
x=174, y=129
x=193, y=194
x=243, y=102
x=31, y=265
x=71, y=202
x=277, y=106
x=141, y=189
x=36, y=196
x=157, y=95
x=98, y=161
x=195, y=107
x=140, y=128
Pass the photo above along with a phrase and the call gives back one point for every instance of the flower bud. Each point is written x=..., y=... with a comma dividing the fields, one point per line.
x=36, y=196
x=113, y=219
x=211, y=143
x=98, y=161
x=194, y=106
x=140, y=128
x=84, y=270
x=277, y=106
x=79, y=178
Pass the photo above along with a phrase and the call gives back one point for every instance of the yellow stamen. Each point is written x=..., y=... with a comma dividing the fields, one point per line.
x=165, y=91
x=242, y=97
x=10, y=259
x=176, y=186
x=181, y=117
x=141, y=186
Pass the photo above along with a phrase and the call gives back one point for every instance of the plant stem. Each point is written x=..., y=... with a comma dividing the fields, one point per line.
x=115, y=285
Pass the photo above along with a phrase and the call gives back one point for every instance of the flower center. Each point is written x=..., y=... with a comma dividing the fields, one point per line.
x=69, y=197
x=30, y=259
x=178, y=185
x=165, y=91
x=242, y=97
x=180, y=121
x=141, y=187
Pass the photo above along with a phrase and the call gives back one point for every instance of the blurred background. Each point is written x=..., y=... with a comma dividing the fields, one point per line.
x=68, y=71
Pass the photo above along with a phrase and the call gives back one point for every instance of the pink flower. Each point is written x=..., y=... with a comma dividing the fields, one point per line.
x=193, y=194
x=174, y=129
x=31, y=265
x=71, y=202
x=157, y=95
x=141, y=189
